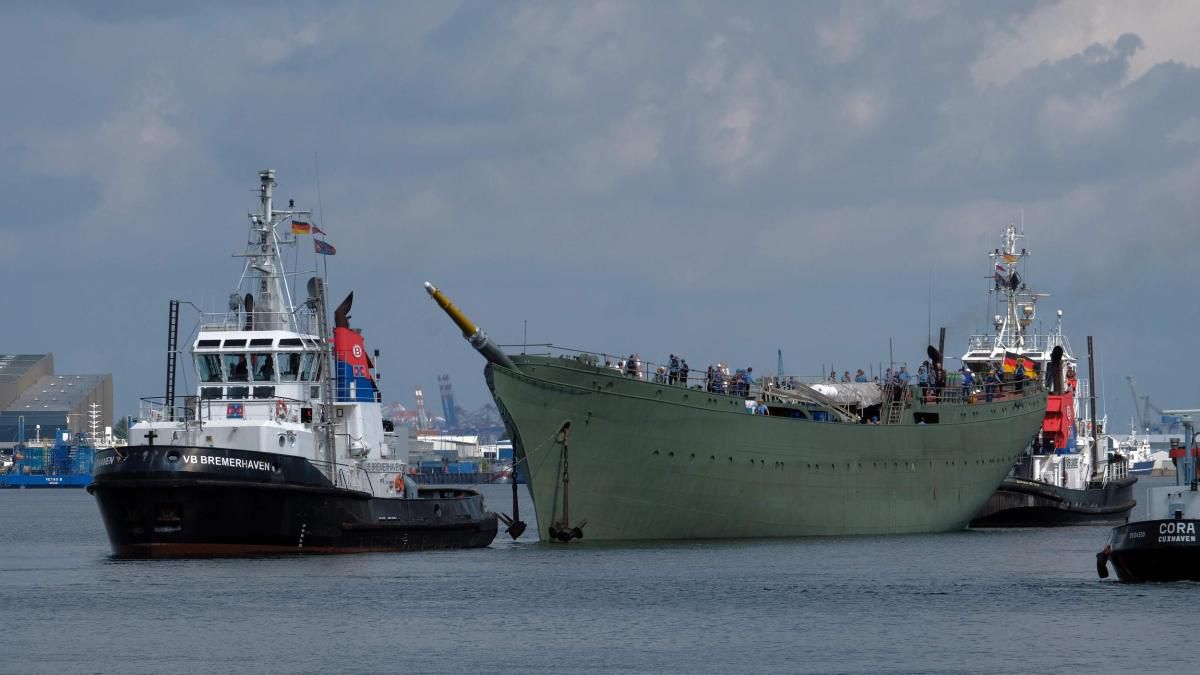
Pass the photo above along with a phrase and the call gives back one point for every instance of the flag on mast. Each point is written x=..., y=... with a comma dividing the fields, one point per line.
x=301, y=227
x=323, y=249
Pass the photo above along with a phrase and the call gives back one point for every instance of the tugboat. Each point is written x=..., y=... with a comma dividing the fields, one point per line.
x=1062, y=478
x=282, y=449
x=1164, y=547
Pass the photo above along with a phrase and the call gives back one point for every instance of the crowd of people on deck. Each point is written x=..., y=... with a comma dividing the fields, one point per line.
x=931, y=380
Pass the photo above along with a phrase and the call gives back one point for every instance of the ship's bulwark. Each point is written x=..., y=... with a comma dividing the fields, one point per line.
x=654, y=461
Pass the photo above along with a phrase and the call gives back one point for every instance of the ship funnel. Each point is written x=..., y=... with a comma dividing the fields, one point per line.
x=1055, y=370
x=341, y=315
x=473, y=334
x=935, y=357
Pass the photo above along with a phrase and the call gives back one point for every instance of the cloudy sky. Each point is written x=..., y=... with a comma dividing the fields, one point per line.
x=719, y=180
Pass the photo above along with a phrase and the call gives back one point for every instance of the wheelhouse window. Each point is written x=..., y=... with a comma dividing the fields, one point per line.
x=236, y=368
x=262, y=367
x=289, y=366
x=310, y=370
x=209, y=366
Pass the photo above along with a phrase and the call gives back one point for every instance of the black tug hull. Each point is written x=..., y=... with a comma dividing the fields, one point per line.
x=174, y=501
x=1155, y=550
x=1025, y=503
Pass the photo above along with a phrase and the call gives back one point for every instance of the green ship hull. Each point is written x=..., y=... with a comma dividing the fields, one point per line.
x=650, y=460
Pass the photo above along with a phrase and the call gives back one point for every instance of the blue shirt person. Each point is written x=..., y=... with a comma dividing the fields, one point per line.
x=991, y=384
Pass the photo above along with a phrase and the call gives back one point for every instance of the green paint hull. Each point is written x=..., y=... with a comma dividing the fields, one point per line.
x=654, y=461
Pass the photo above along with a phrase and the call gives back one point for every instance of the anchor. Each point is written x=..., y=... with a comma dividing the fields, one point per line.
x=562, y=531
x=516, y=526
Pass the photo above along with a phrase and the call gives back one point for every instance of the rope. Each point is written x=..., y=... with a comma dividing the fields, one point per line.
x=524, y=459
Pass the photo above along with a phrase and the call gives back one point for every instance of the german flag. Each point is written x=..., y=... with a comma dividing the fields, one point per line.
x=1010, y=363
x=1028, y=366
x=301, y=227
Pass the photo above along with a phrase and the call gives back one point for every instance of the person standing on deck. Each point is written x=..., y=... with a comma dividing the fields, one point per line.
x=902, y=379
x=673, y=369
x=990, y=384
x=683, y=373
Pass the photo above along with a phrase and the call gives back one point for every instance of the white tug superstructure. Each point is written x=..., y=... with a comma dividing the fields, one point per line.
x=267, y=380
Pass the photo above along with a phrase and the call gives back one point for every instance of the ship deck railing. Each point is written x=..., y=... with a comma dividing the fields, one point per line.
x=1033, y=342
x=953, y=393
x=302, y=320
x=649, y=371
x=197, y=411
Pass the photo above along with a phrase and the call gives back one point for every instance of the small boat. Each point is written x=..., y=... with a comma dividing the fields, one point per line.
x=282, y=449
x=1143, y=459
x=62, y=462
x=1164, y=547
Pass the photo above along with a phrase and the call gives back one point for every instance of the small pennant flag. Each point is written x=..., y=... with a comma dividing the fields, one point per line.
x=301, y=227
x=323, y=249
x=317, y=230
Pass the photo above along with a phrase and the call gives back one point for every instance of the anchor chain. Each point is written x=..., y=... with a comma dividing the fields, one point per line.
x=562, y=531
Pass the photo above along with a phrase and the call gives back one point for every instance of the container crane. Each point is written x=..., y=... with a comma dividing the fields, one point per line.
x=448, y=408
x=1149, y=415
x=423, y=422
x=1137, y=405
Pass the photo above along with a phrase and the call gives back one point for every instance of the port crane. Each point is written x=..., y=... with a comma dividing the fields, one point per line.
x=423, y=421
x=449, y=410
x=1147, y=414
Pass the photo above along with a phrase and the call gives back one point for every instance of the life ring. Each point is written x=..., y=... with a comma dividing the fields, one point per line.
x=398, y=483
x=281, y=409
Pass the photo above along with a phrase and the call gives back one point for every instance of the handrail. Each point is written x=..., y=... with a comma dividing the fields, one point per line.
x=798, y=389
x=1038, y=342
x=281, y=320
x=648, y=371
x=155, y=409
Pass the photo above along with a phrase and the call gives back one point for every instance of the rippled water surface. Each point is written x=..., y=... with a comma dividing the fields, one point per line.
x=1021, y=601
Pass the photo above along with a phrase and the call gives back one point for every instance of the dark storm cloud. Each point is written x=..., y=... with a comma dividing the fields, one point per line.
x=722, y=179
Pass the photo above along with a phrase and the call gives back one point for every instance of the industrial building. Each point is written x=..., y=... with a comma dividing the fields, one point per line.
x=31, y=391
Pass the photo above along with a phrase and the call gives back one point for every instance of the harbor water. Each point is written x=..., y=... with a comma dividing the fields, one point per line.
x=1021, y=601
